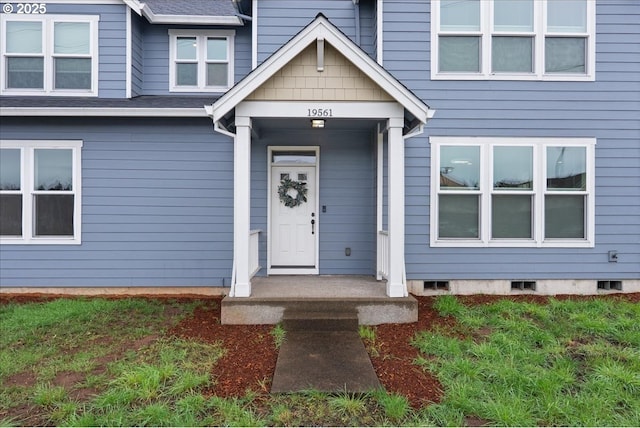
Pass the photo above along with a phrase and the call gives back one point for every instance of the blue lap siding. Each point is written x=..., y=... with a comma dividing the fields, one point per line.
x=157, y=198
x=157, y=194
x=607, y=109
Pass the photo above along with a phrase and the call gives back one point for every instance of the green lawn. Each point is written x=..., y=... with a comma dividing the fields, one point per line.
x=564, y=363
x=93, y=362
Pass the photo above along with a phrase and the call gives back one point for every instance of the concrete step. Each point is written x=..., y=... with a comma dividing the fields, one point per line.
x=296, y=320
x=272, y=310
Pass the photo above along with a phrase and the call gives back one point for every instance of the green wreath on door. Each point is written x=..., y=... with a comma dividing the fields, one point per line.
x=287, y=184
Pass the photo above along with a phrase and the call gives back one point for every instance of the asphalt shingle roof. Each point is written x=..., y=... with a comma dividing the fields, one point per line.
x=147, y=101
x=192, y=7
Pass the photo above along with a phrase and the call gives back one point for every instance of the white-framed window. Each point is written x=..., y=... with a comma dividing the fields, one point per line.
x=512, y=192
x=201, y=60
x=49, y=55
x=513, y=39
x=40, y=192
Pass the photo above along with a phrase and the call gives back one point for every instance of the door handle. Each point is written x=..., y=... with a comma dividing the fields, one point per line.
x=313, y=226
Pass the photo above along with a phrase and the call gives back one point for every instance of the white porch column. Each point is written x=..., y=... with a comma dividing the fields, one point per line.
x=379, y=197
x=241, y=206
x=396, y=286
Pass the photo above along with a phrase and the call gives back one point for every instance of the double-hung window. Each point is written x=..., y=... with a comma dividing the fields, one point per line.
x=40, y=198
x=513, y=39
x=201, y=60
x=49, y=54
x=512, y=191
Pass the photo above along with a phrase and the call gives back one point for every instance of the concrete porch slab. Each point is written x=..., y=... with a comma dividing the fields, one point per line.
x=271, y=296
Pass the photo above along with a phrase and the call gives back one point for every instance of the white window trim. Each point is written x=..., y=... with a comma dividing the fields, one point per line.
x=539, y=23
x=539, y=146
x=27, y=148
x=48, y=54
x=201, y=35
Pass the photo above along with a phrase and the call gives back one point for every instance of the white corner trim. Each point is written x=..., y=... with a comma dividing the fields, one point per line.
x=254, y=35
x=380, y=32
x=128, y=60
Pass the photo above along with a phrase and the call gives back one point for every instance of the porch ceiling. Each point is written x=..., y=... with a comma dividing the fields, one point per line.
x=279, y=124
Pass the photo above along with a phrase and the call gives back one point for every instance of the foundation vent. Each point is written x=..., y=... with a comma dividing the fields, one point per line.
x=610, y=285
x=436, y=286
x=523, y=285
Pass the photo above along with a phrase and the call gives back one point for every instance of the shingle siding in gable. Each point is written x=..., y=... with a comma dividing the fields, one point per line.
x=607, y=109
x=157, y=198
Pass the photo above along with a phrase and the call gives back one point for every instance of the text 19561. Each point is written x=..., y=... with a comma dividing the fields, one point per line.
x=319, y=112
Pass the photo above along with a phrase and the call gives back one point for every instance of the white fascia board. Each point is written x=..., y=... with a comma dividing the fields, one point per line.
x=189, y=19
x=320, y=28
x=134, y=5
x=339, y=109
x=102, y=112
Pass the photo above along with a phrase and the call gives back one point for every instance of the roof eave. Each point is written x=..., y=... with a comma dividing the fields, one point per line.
x=190, y=19
x=101, y=112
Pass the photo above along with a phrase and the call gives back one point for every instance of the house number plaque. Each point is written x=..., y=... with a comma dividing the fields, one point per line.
x=319, y=112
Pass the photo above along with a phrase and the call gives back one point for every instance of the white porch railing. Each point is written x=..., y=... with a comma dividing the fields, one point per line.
x=254, y=260
x=383, y=253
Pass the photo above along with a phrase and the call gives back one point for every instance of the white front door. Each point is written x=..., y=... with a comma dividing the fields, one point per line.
x=294, y=228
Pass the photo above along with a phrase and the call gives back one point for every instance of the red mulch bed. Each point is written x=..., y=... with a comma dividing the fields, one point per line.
x=250, y=360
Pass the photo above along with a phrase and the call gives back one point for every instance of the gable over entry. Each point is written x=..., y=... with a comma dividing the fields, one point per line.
x=321, y=74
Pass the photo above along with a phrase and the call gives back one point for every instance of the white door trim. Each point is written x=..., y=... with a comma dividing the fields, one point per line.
x=292, y=271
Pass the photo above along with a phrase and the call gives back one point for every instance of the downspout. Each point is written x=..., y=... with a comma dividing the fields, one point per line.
x=219, y=128
x=356, y=14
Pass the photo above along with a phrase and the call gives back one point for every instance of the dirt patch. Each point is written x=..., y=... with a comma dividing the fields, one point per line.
x=71, y=382
x=68, y=380
x=22, y=379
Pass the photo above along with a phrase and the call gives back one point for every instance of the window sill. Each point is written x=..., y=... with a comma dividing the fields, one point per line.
x=43, y=93
x=217, y=89
x=40, y=241
x=515, y=77
x=578, y=243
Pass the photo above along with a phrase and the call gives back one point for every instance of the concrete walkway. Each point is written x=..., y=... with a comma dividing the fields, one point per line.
x=329, y=361
x=323, y=352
